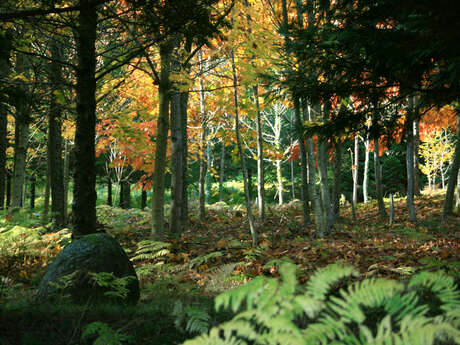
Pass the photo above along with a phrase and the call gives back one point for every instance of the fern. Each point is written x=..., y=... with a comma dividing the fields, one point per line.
x=203, y=259
x=196, y=319
x=220, y=277
x=151, y=250
x=330, y=309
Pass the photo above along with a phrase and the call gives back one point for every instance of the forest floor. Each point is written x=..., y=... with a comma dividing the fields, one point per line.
x=209, y=258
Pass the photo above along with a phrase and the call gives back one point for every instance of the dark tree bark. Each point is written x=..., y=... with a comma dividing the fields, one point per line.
x=184, y=106
x=84, y=191
x=203, y=150
x=109, y=192
x=21, y=138
x=143, y=198
x=5, y=52
x=32, y=192
x=8, y=188
x=416, y=157
x=177, y=153
x=67, y=153
x=410, y=161
x=221, y=172
x=46, y=203
x=125, y=194
x=336, y=189
x=161, y=144
x=454, y=170
x=3, y=146
x=55, y=139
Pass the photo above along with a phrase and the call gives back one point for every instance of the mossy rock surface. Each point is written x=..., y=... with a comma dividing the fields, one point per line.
x=91, y=253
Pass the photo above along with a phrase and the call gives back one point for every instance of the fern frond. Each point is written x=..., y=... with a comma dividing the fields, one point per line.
x=151, y=250
x=201, y=260
x=323, y=280
x=437, y=290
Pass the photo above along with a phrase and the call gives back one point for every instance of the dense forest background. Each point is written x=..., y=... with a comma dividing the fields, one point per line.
x=231, y=137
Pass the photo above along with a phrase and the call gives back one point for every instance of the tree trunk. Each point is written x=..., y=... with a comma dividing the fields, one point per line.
x=315, y=197
x=21, y=138
x=221, y=173
x=454, y=170
x=410, y=161
x=336, y=189
x=109, y=191
x=4, y=71
x=366, y=169
x=55, y=139
x=304, y=172
x=416, y=157
x=279, y=178
x=184, y=106
x=260, y=160
x=8, y=188
x=66, y=179
x=300, y=135
x=177, y=170
x=378, y=180
x=84, y=188
x=3, y=147
x=143, y=198
x=161, y=144
x=328, y=212
x=125, y=194
x=457, y=203
x=32, y=192
x=203, y=149
x=355, y=171
x=46, y=201
x=241, y=154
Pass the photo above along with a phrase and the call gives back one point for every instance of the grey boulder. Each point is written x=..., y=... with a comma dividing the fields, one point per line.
x=72, y=273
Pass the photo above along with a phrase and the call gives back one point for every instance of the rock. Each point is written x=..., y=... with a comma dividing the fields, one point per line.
x=71, y=272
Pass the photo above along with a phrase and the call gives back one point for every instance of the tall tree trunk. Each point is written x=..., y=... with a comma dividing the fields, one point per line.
x=33, y=181
x=355, y=169
x=336, y=189
x=184, y=106
x=66, y=178
x=161, y=144
x=315, y=197
x=84, y=188
x=279, y=178
x=454, y=170
x=8, y=188
x=378, y=180
x=55, y=139
x=143, y=198
x=222, y=171
x=241, y=154
x=300, y=135
x=5, y=53
x=3, y=147
x=416, y=156
x=177, y=170
x=410, y=160
x=125, y=194
x=46, y=202
x=367, y=144
x=304, y=170
x=203, y=148
x=260, y=160
x=21, y=138
x=457, y=203
x=109, y=191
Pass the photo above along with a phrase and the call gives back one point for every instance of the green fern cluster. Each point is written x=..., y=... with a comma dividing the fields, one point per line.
x=151, y=250
x=336, y=308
